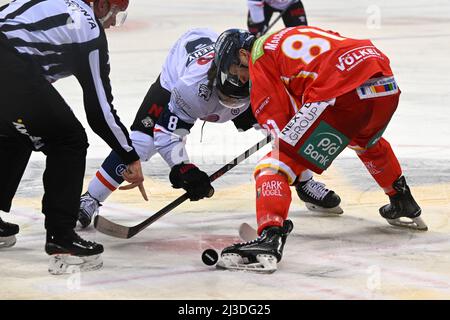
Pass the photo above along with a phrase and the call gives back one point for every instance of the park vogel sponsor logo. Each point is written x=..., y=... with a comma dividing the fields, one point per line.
x=323, y=146
x=270, y=188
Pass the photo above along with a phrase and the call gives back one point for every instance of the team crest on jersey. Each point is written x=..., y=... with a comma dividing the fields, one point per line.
x=120, y=169
x=204, y=92
x=200, y=50
x=148, y=122
x=235, y=112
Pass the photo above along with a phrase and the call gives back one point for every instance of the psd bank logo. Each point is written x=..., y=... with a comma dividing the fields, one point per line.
x=323, y=146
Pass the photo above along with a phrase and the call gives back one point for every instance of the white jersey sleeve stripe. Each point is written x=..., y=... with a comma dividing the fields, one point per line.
x=94, y=63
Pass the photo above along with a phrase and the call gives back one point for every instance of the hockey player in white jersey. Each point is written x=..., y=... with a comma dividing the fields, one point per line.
x=260, y=12
x=42, y=41
x=189, y=88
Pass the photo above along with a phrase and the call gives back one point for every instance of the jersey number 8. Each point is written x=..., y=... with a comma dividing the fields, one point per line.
x=172, y=125
x=306, y=48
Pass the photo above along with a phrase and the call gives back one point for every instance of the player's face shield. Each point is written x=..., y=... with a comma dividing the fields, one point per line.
x=232, y=103
x=235, y=73
x=234, y=85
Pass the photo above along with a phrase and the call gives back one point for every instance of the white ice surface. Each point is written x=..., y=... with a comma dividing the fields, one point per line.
x=356, y=256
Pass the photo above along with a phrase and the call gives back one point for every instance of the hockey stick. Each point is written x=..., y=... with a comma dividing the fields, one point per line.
x=119, y=231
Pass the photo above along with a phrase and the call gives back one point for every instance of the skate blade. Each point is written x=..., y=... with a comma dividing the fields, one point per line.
x=6, y=242
x=414, y=223
x=316, y=208
x=234, y=262
x=68, y=264
x=247, y=232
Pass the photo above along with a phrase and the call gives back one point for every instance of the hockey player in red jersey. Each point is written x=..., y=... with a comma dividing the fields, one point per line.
x=317, y=92
x=188, y=81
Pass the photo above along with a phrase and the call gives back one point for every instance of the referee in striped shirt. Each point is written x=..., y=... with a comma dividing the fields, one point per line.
x=42, y=41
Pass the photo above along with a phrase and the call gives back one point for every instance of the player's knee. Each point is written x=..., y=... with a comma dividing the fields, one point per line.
x=144, y=145
x=259, y=172
x=379, y=147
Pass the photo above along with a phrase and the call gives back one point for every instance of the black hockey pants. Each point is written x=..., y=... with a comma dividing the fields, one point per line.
x=155, y=101
x=294, y=16
x=33, y=116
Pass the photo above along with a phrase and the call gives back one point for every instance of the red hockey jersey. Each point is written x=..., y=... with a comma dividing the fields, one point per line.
x=306, y=64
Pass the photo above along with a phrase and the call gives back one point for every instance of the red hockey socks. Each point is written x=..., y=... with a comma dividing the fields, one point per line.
x=273, y=198
x=382, y=164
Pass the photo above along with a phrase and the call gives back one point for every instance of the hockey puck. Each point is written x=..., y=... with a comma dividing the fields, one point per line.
x=210, y=257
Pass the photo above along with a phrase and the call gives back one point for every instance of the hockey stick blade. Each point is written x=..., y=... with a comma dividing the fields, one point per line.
x=111, y=228
x=115, y=230
x=123, y=232
x=247, y=232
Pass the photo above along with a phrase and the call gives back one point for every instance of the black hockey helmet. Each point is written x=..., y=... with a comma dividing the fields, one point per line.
x=227, y=53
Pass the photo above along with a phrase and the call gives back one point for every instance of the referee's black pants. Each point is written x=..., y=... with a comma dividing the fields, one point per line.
x=34, y=117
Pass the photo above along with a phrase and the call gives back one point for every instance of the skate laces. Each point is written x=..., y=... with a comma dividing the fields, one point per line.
x=252, y=241
x=315, y=189
x=89, y=204
x=259, y=238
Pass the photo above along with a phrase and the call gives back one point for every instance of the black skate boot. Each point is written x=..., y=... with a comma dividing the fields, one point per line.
x=318, y=198
x=259, y=255
x=70, y=253
x=403, y=205
x=89, y=206
x=7, y=234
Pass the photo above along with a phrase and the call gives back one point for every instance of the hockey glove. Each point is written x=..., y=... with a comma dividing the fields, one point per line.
x=192, y=179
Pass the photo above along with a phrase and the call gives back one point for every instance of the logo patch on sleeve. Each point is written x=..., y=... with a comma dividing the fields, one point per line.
x=258, y=47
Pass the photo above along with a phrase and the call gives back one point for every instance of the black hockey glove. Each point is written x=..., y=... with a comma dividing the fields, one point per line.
x=192, y=179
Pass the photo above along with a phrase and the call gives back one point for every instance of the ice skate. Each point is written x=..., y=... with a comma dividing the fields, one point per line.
x=403, y=211
x=70, y=253
x=89, y=206
x=8, y=233
x=259, y=255
x=318, y=198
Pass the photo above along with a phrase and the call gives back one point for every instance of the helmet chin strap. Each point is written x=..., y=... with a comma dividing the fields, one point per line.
x=113, y=10
x=106, y=17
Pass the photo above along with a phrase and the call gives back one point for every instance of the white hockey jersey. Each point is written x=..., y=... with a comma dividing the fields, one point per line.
x=184, y=74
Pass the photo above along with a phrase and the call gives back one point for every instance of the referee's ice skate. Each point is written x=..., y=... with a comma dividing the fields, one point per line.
x=70, y=253
x=318, y=198
x=7, y=234
x=259, y=255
